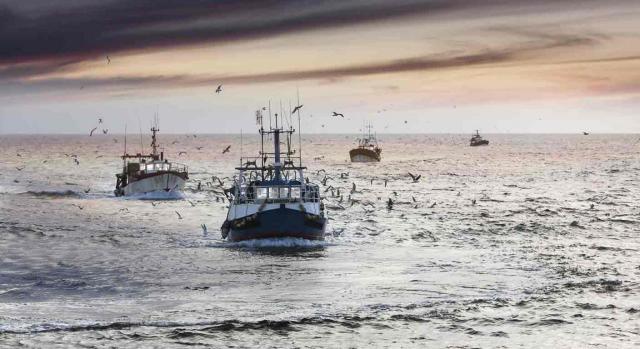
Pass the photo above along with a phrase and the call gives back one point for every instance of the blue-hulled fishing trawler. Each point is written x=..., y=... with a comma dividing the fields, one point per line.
x=271, y=197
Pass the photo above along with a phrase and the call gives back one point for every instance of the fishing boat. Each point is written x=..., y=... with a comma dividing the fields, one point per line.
x=368, y=149
x=477, y=140
x=271, y=197
x=150, y=175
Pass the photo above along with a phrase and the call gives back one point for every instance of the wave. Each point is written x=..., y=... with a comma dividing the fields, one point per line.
x=189, y=329
x=157, y=195
x=52, y=193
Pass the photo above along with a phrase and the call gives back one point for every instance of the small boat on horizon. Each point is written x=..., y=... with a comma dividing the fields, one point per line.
x=150, y=175
x=368, y=149
x=477, y=140
x=271, y=197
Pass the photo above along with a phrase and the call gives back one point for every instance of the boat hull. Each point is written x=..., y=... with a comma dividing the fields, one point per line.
x=161, y=184
x=277, y=223
x=479, y=143
x=364, y=155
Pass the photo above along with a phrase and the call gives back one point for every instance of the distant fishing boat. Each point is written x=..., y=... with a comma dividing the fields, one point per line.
x=368, y=149
x=271, y=197
x=477, y=140
x=148, y=174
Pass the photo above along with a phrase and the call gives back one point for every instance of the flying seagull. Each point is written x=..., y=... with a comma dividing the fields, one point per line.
x=92, y=131
x=226, y=150
x=337, y=114
x=415, y=178
x=105, y=131
x=296, y=108
x=182, y=152
x=99, y=120
x=179, y=216
x=219, y=89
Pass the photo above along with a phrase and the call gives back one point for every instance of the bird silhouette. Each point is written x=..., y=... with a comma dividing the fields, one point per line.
x=92, y=131
x=182, y=152
x=99, y=120
x=414, y=177
x=297, y=108
x=179, y=216
x=105, y=131
x=108, y=60
x=337, y=114
x=226, y=150
x=219, y=89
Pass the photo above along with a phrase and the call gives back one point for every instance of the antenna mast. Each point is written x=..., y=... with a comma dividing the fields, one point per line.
x=299, y=129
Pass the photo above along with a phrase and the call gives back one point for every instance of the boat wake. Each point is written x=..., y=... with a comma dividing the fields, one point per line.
x=276, y=243
x=157, y=195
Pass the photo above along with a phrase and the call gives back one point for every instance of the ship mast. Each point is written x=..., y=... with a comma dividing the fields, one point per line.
x=154, y=145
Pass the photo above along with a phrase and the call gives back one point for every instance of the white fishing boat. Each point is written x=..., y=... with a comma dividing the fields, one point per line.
x=368, y=149
x=150, y=175
x=271, y=197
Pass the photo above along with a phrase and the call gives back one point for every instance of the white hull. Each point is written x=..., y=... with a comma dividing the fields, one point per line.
x=165, y=183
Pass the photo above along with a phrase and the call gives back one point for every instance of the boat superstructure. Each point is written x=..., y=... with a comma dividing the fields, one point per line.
x=477, y=140
x=368, y=149
x=149, y=174
x=271, y=197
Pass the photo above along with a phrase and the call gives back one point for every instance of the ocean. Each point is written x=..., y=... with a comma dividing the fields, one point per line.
x=530, y=242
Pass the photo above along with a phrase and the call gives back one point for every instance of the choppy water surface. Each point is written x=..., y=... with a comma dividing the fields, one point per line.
x=548, y=256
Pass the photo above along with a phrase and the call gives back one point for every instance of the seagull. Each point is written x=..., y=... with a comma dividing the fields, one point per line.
x=20, y=168
x=92, y=131
x=153, y=204
x=415, y=178
x=182, y=152
x=179, y=216
x=108, y=60
x=337, y=114
x=219, y=89
x=226, y=150
x=76, y=161
x=99, y=120
x=297, y=108
x=191, y=202
x=105, y=131
x=78, y=206
x=87, y=190
x=204, y=230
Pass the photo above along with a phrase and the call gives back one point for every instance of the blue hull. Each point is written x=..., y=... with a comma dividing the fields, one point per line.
x=279, y=223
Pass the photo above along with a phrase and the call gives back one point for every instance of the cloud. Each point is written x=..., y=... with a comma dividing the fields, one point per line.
x=536, y=44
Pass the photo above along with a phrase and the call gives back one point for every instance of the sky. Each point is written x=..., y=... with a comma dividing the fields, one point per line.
x=406, y=66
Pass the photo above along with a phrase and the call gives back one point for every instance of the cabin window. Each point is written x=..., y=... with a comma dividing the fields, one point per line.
x=273, y=193
x=295, y=192
x=284, y=192
x=262, y=193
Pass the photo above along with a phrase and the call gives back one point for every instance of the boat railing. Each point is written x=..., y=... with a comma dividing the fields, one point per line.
x=289, y=193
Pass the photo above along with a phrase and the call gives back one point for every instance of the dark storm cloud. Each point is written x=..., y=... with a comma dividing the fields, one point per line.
x=75, y=30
